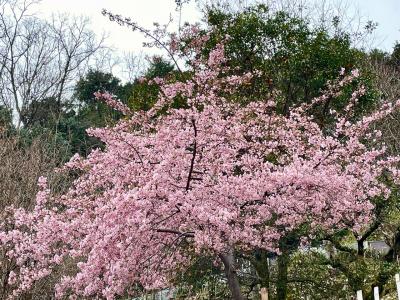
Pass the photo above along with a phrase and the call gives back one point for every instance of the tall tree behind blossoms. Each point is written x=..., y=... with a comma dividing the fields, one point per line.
x=214, y=178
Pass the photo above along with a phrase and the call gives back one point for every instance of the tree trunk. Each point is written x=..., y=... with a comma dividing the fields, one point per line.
x=360, y=248
x=260, y=264
x=230, y=272
x=281, y=285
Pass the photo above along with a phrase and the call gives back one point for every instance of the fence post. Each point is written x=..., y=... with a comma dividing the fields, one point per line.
x=376, y=293
x=397, y=278
x=359, y=295
x=264, y=293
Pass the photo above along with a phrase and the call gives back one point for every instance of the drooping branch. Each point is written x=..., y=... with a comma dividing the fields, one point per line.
x=134, y=26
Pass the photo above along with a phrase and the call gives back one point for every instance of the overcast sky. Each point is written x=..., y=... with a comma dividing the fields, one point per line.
x=144, y=12
x=385, y=12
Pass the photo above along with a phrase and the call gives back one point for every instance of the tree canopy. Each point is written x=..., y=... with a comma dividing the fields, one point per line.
x=144, y=207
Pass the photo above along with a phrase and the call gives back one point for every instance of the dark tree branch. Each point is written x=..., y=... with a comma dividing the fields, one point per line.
x=128, y=22
x=193, y=156
x=339, y=246
x=173, y=231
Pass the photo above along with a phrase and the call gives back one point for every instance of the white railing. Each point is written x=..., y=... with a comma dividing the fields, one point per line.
x=376, y=290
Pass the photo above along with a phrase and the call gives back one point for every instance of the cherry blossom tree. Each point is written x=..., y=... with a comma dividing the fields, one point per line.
x=214, y=177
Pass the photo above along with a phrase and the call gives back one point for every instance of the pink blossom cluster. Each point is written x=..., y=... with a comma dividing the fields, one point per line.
x=110, y=100
x=213, y=176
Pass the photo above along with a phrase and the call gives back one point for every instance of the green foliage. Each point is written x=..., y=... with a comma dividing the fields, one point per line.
x=395, y=56
x=5, y=117
x=94, y=112
x=379, y=56
x=55, y=141
x=202, y=280
x=73, y=127
x=41, y=113
x=96, y=81
x=295, y=58
x=85, y=111
x=143, y=95
x=159, y=67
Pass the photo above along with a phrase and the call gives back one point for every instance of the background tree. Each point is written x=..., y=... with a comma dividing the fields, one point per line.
x=144, y=92
x=395, y=56
x=44, y=112
x=294, y=57
x=39, y=59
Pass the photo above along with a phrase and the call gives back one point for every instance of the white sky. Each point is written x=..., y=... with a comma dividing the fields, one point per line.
x=387, y=14
x=145, y=12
